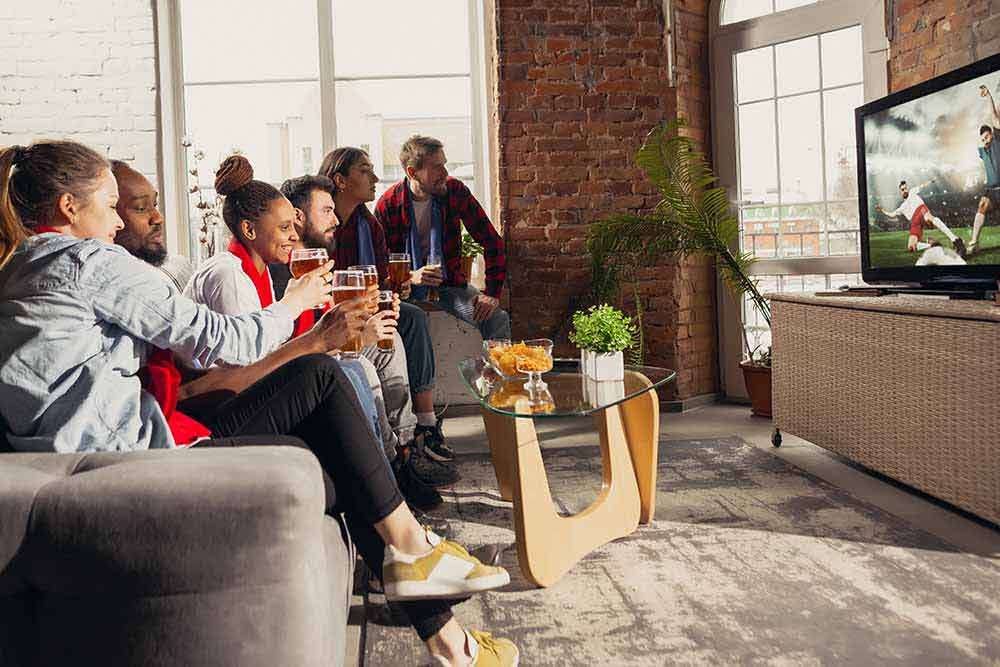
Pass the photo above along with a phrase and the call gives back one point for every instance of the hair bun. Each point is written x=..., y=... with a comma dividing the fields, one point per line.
x=234, y=172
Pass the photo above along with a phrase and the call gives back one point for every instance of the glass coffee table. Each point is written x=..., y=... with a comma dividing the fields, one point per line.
x=627, y=418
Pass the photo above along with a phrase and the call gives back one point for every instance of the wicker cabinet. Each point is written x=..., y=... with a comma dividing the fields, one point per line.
x=906, y=386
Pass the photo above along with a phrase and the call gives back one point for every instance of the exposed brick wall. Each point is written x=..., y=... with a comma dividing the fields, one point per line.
x=580, y=84
x=936, y=36
x=82, y=70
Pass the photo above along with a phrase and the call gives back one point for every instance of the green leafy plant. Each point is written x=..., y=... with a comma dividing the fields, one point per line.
x=469, y=246
x=602, y=329
x=692, y=216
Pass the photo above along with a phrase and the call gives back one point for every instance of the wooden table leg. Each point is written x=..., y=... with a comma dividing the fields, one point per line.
x=501, y=435
x=641, y=416
x=549, y=545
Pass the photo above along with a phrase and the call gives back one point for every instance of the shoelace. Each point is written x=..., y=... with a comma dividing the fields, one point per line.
x=486, y=640
x=454, y=545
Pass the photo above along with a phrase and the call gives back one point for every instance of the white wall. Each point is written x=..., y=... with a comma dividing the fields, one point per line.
x=83, y=70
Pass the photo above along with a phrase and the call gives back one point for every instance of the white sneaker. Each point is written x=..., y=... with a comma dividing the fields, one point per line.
x=446, y=571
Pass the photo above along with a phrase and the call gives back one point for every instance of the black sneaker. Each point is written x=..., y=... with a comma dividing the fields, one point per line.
x=959, y=246
x=418, y=495
x=427, y=470
x=434, y=444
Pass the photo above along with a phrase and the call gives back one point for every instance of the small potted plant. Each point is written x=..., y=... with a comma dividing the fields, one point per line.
x=470, y=250
x=602, y=332
x=757, y=376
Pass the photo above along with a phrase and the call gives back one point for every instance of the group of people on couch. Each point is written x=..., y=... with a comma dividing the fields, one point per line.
x=99, y=351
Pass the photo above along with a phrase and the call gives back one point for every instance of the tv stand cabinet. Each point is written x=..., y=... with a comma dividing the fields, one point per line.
x=907, y=386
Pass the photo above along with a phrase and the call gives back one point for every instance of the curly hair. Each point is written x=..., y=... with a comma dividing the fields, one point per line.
x=245, y=198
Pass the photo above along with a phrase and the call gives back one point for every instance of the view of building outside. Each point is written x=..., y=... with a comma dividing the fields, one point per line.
x=252, y=85
x=797, y=173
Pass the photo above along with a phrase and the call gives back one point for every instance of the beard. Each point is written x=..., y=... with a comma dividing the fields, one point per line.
x=312, y=239
x=151, y=254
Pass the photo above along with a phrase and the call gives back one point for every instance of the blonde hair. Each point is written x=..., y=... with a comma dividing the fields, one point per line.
x=33, y=178
x=417, y=149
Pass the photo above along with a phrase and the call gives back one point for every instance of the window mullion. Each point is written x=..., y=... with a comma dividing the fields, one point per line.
x=327, y=75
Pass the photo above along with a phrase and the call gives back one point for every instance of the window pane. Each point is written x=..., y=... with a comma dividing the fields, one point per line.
x=841, y=150
x=252, y=39
x=755, y=74
x=798, y=66
x=842, y=228
x=276, y=125
x=760, y=229
x=842, y=57
x=782, y=5
x=758, y=158
x=801, y=228
x=799, y=148
x=381, y=115
x=395, y=37
x=741, y=10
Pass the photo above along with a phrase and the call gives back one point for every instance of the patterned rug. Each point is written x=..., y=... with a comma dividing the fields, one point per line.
x=749, y=560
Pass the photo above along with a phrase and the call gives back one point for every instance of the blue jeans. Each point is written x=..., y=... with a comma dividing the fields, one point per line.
x=356, y=374
x=460, y=301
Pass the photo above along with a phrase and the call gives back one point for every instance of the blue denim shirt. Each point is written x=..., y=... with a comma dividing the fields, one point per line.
x=76, y=317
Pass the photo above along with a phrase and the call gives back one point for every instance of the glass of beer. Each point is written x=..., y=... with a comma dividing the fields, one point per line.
x=371, y=280
x=385, y=302
x=305, y=260
x=349, y=285
x=433, y=262
x=399, y=270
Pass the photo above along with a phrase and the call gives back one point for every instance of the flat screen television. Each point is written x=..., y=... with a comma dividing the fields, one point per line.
x=929, y=182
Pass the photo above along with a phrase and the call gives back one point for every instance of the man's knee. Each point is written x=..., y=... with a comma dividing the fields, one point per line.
x=984, y=205
x=498, y=324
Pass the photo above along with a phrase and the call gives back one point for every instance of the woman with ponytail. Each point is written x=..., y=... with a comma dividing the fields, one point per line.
x=78, y=316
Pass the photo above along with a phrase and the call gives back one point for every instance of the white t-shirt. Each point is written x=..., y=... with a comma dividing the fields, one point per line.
x=910, y=204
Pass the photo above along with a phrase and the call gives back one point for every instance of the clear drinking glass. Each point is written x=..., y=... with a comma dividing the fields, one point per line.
x=349, y=285
x=371, y=283
x=434, y=262
x=385, y=302
x=305, y=260
x=399, y=270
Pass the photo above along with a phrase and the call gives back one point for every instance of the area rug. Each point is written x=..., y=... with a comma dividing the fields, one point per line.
x=749, y=560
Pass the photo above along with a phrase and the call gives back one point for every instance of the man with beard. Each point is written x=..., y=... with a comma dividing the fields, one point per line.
x=408, y=369
x=423, y=215
x=142, y=236
x=914, y=209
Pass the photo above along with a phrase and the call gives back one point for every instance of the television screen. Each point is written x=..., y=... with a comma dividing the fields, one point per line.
x=931, y=177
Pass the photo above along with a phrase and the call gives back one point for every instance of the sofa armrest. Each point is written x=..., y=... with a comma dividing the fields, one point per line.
x=211, y=556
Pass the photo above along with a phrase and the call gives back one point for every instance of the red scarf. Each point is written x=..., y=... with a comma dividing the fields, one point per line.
x=41, y=229
x=261, y=279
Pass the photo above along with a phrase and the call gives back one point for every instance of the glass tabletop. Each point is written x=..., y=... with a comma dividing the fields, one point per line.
x=569, y=392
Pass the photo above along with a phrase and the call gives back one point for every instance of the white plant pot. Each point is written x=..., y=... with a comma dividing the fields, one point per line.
x=602, y=392
x=603, y=367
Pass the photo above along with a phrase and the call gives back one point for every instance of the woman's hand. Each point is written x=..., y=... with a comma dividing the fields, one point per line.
x=311, y=290
x=339, y=325
x=380, y=326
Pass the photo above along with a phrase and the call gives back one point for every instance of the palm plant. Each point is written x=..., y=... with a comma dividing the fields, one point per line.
x=693, y=216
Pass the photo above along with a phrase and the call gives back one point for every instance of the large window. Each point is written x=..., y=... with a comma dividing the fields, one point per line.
x=284, y=83
x=784, y=95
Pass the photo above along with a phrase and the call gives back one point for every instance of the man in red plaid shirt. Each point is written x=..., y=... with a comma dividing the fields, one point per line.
x=423, y=215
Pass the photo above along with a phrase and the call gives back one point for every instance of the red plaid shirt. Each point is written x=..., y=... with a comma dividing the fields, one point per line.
x=347, y=243
x=459, y=208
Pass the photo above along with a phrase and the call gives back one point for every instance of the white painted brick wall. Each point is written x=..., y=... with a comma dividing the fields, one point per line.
x=454, y=341
x=82, y=70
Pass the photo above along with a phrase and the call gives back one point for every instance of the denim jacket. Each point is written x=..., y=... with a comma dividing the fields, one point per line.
x=76, y=317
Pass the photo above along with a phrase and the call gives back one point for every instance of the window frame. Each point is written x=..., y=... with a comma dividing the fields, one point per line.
x=171, y=101
x=725, y=40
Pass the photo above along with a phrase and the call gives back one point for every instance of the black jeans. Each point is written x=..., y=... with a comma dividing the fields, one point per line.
x=311, y=398
x=413, y=329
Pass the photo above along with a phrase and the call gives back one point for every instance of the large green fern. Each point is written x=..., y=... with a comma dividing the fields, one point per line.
x=693, y=216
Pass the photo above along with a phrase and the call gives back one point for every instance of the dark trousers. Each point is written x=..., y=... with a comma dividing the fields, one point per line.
x=311, y=398
x=413, y=329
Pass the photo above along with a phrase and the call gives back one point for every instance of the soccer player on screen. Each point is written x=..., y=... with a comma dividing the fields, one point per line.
x=989, y=153
x=916, y=211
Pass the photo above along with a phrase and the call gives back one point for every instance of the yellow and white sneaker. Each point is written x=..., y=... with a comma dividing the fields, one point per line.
x=446, y=571
x=485, y=650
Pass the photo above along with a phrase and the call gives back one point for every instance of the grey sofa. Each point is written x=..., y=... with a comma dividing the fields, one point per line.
x=197, y=557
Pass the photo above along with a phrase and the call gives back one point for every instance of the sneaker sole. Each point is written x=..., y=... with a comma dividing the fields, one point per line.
x=422, y=590
x=439, y=457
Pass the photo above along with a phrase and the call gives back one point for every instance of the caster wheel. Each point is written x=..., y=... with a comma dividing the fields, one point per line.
x=776, y=438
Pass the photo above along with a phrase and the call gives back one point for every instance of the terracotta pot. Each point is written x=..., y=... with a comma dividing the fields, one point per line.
x=467, y=267
x=758, y=381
